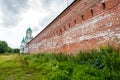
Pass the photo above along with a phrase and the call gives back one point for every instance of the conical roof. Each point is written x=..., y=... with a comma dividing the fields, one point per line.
x=23, y=40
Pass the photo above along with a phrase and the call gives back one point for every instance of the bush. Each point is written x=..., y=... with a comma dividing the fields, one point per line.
x=85, y=72
x=102, y=64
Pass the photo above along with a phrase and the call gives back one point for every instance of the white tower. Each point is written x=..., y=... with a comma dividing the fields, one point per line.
x=24, y=43
x=22, y=46
x=28, y=35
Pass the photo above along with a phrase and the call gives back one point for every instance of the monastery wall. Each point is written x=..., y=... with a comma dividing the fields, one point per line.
x=84, y=25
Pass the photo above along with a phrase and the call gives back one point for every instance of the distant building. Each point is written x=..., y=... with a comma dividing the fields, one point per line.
x=24, y=42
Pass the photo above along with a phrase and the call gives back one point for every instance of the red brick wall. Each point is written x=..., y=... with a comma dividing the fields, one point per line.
x=84, y=25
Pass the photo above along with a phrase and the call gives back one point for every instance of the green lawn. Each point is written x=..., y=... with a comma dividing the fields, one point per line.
x=103, y=64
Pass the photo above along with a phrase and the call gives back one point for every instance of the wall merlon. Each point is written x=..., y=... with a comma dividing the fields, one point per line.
x=85, y=24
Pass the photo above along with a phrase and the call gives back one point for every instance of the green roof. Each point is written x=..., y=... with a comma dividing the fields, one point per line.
x=23, y=40
x=29, y=29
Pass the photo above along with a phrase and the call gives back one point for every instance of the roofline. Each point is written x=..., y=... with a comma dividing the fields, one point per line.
x=54, y=19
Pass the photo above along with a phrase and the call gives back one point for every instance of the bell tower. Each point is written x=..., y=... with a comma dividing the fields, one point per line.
x=28, y=35
x=24, y=43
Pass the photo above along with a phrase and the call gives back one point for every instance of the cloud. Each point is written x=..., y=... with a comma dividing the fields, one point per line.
x=46, y=20
x=55, y=4
x=54, y=8
x=11, y=10
x=16, y=15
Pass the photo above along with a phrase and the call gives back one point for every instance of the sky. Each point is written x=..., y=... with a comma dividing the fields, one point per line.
x=18, y=15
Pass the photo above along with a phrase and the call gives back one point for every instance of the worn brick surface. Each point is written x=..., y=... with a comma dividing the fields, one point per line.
x=84, y=25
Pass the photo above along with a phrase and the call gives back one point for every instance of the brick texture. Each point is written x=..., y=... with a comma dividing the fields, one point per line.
x=84, y=25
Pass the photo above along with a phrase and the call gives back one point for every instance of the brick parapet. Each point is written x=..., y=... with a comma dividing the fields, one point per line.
x=84, y=25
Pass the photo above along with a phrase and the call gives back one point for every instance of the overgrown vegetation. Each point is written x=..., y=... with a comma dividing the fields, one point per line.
x=4, y=48
x=103, y=64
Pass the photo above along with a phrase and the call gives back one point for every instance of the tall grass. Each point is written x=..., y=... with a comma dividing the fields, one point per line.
x=102, y=64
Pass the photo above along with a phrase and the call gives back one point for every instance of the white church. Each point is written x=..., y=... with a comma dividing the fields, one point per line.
x=24, y=42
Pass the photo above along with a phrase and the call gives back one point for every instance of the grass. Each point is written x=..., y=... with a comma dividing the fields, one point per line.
x=103, y=64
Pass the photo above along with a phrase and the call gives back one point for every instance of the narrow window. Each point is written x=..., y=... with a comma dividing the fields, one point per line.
x=91, y=12
x=75, y=21
x=60, y=31
x=82, y=17
x=64, y=28
x=69, y=24
x=104, y=6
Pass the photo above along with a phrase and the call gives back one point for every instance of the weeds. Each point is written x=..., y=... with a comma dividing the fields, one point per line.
x=102, y=64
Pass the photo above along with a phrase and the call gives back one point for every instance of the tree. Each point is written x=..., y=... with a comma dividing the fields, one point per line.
x=15, y=50
x=3, y=47
x=9, y=50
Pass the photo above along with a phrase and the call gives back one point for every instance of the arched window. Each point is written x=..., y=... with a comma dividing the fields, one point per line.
x=82, y=17
x=69, y=24
x=60, y=31
x=75, y=21
x=104, y=6
x=91, y=12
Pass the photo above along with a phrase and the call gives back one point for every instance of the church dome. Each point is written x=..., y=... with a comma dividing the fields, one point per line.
x=29, y=29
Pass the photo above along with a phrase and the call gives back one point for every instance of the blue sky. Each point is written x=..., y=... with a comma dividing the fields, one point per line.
x=16, y=15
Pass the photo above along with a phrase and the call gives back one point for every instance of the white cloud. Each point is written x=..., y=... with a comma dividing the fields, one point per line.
x=37, y=13
x=1, y=15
